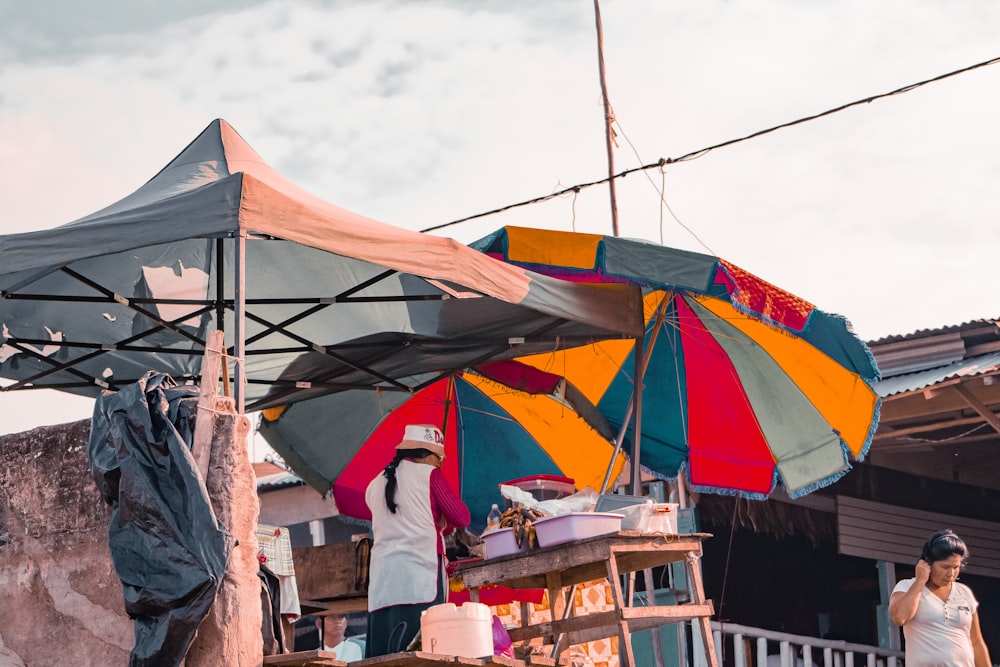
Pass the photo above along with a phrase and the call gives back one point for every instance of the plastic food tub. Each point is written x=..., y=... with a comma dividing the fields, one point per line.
x=562, y=528
x=501, y=542
x=543, y=487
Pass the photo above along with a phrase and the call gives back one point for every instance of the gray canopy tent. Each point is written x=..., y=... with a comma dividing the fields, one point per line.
x=314, y=299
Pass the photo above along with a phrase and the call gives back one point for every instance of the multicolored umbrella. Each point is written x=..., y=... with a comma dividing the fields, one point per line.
x=746, y=385
x=501, y=422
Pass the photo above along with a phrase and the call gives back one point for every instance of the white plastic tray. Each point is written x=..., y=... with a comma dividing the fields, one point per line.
x=501, y=542
x=552, y=530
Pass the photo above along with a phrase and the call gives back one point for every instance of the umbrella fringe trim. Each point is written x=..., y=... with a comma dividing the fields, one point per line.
x=876, y=417
x=848, y=456
x=749, y=312
x=798, y=493
x=756, y=315
x=850, y=329
x=722, y=491
x=658, y=475
x=815, y=486
x=703, y=488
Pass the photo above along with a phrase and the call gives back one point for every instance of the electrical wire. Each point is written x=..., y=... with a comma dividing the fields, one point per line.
x=704, y=151
x=662, y=192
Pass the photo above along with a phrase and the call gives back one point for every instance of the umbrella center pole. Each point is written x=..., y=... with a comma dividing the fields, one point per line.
x=618, y=447
x=640, y=367
x=635, y=405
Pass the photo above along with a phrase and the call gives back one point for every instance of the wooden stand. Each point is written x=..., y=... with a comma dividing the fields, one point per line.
x=605, y=556
x=407, y=659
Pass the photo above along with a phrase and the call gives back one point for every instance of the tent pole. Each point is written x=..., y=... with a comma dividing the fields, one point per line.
x=618, y=447
x=220, y=309
x=239, y=326
x=448, y=393
x=220, y=286
x=640, y=366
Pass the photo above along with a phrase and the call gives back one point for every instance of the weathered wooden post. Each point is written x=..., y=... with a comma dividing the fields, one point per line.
x=230, y=635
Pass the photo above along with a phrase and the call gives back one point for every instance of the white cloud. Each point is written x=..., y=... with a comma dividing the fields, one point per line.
x=417, y=113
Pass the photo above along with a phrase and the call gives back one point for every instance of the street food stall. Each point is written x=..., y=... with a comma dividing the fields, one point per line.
x=563, y=566
x=568, y=552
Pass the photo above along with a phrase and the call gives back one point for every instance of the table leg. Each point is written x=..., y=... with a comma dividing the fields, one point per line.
x=474, y=594
x=693, y=565
x=557, y=603
x=625, y=656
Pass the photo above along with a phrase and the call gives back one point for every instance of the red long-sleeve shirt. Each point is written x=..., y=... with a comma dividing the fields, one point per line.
x=445, y=504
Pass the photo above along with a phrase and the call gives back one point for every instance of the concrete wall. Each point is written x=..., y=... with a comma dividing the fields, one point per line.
x=60, y=599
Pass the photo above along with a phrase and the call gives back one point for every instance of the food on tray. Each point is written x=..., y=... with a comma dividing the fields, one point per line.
x=522, y=519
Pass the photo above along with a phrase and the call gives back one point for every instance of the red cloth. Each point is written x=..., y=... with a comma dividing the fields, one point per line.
x=494, y=595
x=491, y=595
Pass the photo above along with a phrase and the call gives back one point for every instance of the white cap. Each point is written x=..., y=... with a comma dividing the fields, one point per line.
x=423, y=436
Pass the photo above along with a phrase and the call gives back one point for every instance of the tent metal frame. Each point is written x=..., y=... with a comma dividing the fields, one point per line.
x=242, y=309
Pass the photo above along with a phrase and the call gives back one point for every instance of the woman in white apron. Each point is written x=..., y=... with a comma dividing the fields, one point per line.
x=412, y=506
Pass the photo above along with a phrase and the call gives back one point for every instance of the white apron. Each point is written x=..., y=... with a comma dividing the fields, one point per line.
x=404, y=557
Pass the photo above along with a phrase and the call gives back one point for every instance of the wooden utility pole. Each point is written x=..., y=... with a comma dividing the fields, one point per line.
x=609, y=119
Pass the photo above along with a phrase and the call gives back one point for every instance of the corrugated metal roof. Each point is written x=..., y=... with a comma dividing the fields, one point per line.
x=923, y=333
x=965, y=368
x=911, y=355
x=278, y=480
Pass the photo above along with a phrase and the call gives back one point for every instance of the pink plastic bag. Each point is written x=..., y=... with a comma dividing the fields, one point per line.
x=502, y=645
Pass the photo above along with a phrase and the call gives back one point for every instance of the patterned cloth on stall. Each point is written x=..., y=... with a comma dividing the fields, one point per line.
x=592, y=597
x=274, y=549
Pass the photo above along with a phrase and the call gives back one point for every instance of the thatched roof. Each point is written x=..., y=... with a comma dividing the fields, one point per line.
x=767, y=517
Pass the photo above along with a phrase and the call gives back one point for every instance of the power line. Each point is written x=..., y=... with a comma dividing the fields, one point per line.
x=703, y=151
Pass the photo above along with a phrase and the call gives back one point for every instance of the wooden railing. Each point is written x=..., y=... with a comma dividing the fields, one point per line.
x=744, y=646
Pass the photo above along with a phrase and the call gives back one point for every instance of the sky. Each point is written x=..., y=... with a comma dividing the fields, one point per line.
x=418, y=113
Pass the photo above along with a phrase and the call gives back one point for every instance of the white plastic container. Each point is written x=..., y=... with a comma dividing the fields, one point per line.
x=650, y=518
x=542, y=487
x=501, y=542
x=634, y=516
x=466, y=631
x=562, y=528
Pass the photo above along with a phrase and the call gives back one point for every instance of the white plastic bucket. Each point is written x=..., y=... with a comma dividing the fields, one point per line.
x=466, y=631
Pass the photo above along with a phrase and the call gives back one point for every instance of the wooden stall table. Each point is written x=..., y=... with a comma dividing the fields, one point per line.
x=313, y=658
x=603, y=556
x=319, y=658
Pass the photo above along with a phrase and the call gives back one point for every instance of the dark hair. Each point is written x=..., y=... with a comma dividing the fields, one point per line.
x=942, y=545
x=390, y=473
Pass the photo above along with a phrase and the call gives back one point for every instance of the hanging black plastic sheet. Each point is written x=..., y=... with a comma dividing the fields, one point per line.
x=168, y=547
